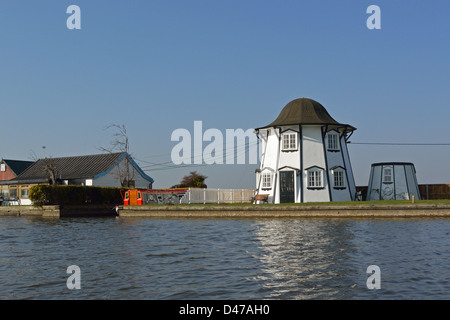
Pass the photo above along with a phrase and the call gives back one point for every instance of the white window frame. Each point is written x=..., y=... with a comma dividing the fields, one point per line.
x=333, y=141
x=387, y=178
x=266, y=180
x=289, y=141
x=339, y=176
x=315, y=178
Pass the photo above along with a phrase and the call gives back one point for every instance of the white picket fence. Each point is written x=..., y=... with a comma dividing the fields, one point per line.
x=218, y=196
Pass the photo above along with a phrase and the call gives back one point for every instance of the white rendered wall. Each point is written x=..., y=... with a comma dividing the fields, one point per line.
x=335, y=159
x=271, y=154
x=269, y=159
x=111, y=179
x=313, y=155
x=373, y=190
x=401, y=188
x=349, y=170
x=340, y=158
x=289, y=160
x=413, y=187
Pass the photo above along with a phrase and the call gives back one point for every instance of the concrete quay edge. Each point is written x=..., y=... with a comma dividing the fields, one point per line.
x=235, y=211
x=205, y=211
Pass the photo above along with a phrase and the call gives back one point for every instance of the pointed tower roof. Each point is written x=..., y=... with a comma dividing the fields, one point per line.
x=305, y=111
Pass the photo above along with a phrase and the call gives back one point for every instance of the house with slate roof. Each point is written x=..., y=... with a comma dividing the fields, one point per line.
x=106, y=170
x=9, y=169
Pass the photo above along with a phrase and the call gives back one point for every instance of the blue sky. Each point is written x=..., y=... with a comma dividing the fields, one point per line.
x=156, y=66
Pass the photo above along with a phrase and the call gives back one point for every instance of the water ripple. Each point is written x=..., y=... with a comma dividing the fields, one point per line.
x=223, y=258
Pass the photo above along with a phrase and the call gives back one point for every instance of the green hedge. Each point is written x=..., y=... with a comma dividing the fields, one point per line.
x=74, y=195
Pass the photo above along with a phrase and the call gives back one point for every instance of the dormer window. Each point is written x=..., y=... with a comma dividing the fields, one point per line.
x=338, y=177
x=333, y=141
x=315, y=178
x=387, y=175
x=289, y=141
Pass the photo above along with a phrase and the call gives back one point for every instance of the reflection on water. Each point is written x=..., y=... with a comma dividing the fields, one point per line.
x=307, y=259
x=124, y=258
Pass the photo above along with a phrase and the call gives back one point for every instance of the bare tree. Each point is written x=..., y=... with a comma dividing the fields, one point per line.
x=33, y=156
x=50, y=169
x=120, y=143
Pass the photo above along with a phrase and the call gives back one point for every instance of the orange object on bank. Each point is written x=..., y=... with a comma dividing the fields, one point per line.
x=132, y=198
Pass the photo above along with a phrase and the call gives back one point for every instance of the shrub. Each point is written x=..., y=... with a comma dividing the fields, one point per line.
x=74, y=195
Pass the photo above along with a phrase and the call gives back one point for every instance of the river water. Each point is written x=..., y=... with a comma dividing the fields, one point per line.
x=229, y=259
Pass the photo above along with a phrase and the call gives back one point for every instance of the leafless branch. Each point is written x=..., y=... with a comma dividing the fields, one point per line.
x=120, y=143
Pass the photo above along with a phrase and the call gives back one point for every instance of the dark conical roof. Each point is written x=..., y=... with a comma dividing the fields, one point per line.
x=304, y=111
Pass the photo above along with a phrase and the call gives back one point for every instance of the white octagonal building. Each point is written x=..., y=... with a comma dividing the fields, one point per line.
x=304, y=156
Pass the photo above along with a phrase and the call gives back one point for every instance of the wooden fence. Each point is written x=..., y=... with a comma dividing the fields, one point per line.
x=434, y=191
x=427, y=191
x=218, y=196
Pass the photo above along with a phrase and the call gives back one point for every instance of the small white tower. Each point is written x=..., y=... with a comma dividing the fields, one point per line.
x=304, y=156
x=393, y=181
